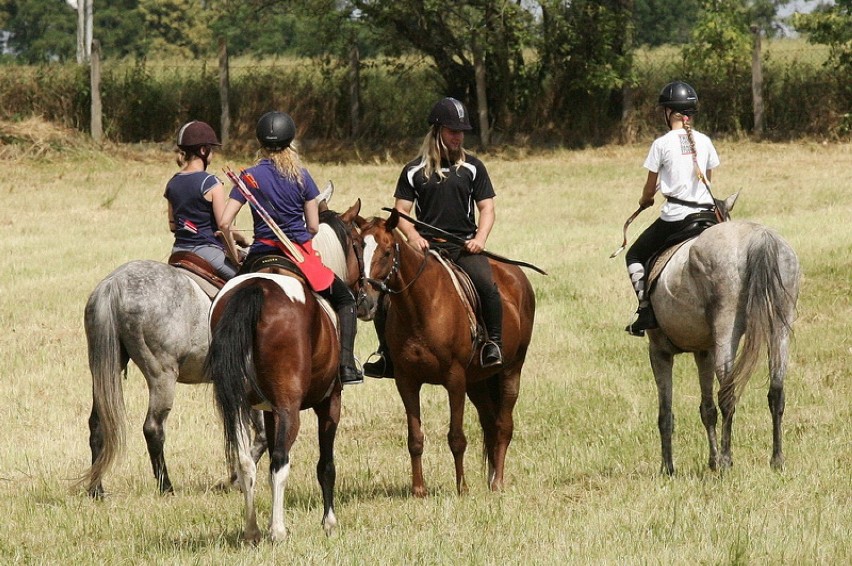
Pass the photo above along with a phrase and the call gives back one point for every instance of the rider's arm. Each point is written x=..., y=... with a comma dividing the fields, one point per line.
x=649, y=190
x=312, y=216
x=414, y=238
x=486, y=222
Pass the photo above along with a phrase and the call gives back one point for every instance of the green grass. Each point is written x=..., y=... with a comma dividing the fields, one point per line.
x=582, y=471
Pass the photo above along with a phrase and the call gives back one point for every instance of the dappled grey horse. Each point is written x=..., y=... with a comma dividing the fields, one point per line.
x=725, y=296
x=155, y=315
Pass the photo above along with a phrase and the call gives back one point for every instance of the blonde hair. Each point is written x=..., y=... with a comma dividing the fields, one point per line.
x=287, y=162
x=431, y=150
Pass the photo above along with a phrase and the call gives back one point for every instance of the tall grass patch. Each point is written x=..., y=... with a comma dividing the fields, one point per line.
x=582, y=470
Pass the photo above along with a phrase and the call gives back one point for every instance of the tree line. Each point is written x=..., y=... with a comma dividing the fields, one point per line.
x=520, y=65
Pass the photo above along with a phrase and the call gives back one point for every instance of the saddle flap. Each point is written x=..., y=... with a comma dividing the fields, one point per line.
x=464, y=287
x=196, y=265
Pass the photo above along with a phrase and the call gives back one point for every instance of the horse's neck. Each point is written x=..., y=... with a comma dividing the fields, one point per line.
x=425, y=283
x=328, y=245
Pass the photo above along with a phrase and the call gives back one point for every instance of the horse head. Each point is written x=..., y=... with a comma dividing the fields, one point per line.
x=380, y=260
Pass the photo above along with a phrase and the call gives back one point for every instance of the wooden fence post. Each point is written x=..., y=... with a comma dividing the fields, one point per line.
x=97, y=128
x=224, y=87
x=757, y=83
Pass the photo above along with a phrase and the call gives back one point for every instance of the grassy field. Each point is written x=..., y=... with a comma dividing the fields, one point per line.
x=582, y=472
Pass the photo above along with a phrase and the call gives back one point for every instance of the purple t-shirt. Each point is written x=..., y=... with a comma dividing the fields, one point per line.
x=195, y=224
x=284, y=199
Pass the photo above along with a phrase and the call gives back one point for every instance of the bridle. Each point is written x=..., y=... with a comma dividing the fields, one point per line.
x=382, y=285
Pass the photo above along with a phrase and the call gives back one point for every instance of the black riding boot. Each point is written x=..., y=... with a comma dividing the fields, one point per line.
x=492, y=311
x=347, y=321
x=645, y=320
x=382, y=367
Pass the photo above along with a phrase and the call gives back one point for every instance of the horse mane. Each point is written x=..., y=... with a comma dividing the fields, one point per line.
x=331, y=241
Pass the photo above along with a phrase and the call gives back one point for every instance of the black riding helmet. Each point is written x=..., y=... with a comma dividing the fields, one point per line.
x=275, y=130
x=450, y=113
x=680, y=97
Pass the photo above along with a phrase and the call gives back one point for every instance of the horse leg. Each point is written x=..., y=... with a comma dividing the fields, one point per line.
x=709, y=414
x=247, y=477
x=777, y=371
x=495, y=400
x=410, y=395
x=479, y=394
x=258, y=447
x=328, y=417
x=282, y=425
x=661, y=364
x=161, y=396
x=727, y=399
x=96, y=445
x=455, y=436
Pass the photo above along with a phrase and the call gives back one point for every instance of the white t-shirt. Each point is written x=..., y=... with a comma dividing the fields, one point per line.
x=671, y=158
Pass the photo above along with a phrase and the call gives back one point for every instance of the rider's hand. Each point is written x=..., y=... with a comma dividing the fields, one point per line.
x=474, y=245
x=420, y=243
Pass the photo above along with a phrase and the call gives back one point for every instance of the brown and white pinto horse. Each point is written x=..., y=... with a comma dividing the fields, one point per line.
x=430, y=341
x=275, y=347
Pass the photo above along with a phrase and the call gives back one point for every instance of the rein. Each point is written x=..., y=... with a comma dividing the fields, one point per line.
x=383, y=284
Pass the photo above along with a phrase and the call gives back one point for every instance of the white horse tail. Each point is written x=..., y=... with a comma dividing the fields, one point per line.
x=106, y=363
x=770, y=305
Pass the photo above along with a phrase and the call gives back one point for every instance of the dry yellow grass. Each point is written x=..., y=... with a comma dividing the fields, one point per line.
x=582, y=470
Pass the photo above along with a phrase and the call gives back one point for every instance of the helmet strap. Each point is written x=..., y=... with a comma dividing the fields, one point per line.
x=203, y=153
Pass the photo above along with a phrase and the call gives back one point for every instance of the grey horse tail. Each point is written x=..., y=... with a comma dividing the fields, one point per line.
x=229, y=364
x=106, y=362
x=768, y=307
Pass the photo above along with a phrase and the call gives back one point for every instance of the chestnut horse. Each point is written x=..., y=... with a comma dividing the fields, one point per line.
x=430, y=341
x=275, y=348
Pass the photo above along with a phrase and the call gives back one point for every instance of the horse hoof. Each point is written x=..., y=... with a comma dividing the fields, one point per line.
x=777, y=463
x=419, y=492
x=329, y=524
x=252, y=538
x=279, y=535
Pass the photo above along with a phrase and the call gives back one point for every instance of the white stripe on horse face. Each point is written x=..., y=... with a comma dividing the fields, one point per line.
x=370, y=246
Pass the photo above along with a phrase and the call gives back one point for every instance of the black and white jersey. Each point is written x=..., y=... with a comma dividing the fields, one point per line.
x=447, y=203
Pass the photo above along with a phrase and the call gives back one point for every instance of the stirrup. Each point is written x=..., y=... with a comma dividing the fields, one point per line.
x=494, y=357
x=381, y=368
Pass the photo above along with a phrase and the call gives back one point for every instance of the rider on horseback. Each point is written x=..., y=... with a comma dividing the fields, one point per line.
x=288, y=192
x=679, y=164
x=197, y=199
x=444, y=182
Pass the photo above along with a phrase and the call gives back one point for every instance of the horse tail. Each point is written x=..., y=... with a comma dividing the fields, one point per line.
x=769, y=307
x=106, y=363
x=230, y=365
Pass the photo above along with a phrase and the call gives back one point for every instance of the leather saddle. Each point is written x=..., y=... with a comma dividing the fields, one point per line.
x=470, y=298
x=199, y=269
x=694, y=224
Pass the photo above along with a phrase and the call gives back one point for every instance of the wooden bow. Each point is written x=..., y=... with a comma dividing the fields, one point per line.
x=626, y=224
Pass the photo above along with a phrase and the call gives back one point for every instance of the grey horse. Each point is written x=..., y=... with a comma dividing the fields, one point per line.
x=155, y=315
x=725, y=296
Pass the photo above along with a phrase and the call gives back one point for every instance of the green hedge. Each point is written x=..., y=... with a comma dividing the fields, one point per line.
x=146, y=102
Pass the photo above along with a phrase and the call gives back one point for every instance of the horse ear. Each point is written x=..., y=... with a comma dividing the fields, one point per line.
x=392, y=221
x=327, y=193
x=352, y=213
x=729, y=202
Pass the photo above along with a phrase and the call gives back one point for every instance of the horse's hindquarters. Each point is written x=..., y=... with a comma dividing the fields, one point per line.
x=679, y=305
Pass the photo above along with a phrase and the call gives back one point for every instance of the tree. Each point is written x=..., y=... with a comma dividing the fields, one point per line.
x=662, y=22
x=175, y=28
x=832, y=26
x=454, y=35
x=42, y=30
